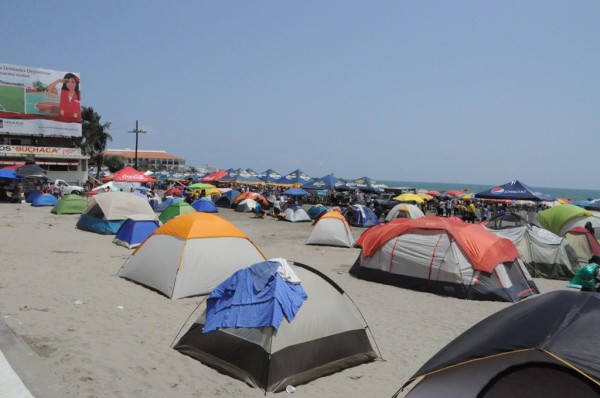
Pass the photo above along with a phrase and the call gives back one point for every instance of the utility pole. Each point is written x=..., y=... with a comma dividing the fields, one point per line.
x=137, y=131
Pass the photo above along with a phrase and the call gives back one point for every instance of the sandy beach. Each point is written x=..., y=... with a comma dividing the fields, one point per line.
x=104, y=336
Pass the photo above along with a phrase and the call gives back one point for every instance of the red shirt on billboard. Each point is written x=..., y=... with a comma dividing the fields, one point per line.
x=70, y=97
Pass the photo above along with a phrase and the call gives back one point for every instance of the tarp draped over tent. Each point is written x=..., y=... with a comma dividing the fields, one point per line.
x=547, y=347
x=513, y=190
x=326, y=336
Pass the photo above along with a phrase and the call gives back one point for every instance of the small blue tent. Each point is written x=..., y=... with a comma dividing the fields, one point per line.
x=205, y=206
x=361, y=216
x=133, y=232
x=226, y=199
x=31, y=196
x=44, y=200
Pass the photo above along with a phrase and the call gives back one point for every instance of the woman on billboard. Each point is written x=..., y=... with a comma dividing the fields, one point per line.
x=70, y=98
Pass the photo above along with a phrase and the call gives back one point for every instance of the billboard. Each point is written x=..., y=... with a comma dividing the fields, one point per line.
x=39, y=101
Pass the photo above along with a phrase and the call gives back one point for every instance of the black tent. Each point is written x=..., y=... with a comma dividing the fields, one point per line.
x=542, y=347
x=30, y=170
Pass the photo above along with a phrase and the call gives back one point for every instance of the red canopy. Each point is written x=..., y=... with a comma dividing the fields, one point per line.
x=129, y=174
x=217, y=175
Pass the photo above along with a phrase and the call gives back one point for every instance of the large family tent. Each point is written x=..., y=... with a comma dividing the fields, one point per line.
x=134, y=231
x=325, y=336
x=404, y=210
x=106, y=213
x=444, y=256
x=545, y=254
x=205, y=205
x=226, y=199
x=562, y=218
x=361, y=216
x=296, y=214
x=331, y=229
x=584, y=244
x=538, y=348
x=190, y=255
x=44, y=199
x=175, y=209
x=70, y=204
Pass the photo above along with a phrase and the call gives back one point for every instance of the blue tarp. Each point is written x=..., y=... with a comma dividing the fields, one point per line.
x=256, y=296
x=514, y=190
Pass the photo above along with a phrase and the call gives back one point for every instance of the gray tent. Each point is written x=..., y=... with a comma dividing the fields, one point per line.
x=544, y=253
x=326, y=336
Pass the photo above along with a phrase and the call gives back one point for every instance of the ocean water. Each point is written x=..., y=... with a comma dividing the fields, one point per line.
x=573, y=194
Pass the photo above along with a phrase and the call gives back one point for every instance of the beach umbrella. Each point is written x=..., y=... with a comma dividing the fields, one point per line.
x=433, y=193
x=542, y=347
x=453, y=192
x=409, y=197
x=425, y=196
x=200, y=185
x=295, y=192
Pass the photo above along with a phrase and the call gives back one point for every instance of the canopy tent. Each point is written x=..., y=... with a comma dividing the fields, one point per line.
x=547, y=347
x=364, y=184
x=296, y=178
x=9, y=174
x=514, y=190
x=129, y=174
x=30, y=170
x=325, y=182
x=295, y=192
x=270, y=176
x=216, y=176
x=324, y=337
x=241, y=176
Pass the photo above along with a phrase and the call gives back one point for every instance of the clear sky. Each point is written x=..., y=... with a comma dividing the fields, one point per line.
x=477, y=92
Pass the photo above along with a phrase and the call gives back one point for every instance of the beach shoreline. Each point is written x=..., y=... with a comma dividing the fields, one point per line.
x=104, y=336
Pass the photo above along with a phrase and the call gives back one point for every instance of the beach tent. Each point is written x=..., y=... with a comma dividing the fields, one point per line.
x=190, y=255
x=246, y=206
x=545, y=254
x=44, y=199
x=546, y=347
x=584, y=244
x=31, y=196
x=175, y=209
x=315, y=211
x=404, y=210
x=205, y=205
x=134, y=231
x=361, y=216
x=296, y=214
x=364, y=184
x=296, y=178
x=252, y=195
x=226, y=199
x=513, y=190
x=70, y=204
x=326, y=336
x=507, y=220
x=444, y=256
x=563, y=218
x=241, y=176
x=331, y=229
x=326, y=182
x=104, y=214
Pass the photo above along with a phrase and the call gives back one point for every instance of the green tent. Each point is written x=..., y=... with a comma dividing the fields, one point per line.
x=70, y=204
x=561, y=218
x=174, y=210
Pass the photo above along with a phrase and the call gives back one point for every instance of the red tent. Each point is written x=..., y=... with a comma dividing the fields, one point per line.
x=129, y=174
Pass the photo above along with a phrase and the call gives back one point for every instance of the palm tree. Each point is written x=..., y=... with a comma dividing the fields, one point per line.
x=94, y=136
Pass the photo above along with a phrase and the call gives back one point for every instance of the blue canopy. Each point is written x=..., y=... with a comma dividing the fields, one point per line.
x=270, y=176
x=514, y=190
x=326, y=182
x=364, y=184
x=295, y=192
x=9, y=174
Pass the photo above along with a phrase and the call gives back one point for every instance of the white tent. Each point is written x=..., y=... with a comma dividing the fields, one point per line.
x=331, y=229
x=296, y=214
x=544, y=253
x=246, y=206
x=404, y=210
x=190, y=255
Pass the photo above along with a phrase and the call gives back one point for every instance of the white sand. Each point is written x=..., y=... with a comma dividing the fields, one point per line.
x=107, y=337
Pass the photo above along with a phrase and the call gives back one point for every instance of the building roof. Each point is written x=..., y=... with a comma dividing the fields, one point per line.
x=144, y=154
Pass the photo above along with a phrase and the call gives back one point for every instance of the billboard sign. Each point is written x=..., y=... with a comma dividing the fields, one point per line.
x=39, y=101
